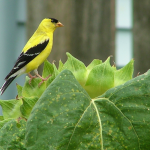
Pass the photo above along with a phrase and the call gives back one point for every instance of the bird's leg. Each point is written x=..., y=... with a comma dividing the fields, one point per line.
x=43, y=79
x=31, y=77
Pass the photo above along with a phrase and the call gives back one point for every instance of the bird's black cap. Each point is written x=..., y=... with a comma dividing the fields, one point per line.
x=53, y=20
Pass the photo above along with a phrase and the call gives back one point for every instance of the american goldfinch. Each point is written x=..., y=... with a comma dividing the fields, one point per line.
x=35, y=51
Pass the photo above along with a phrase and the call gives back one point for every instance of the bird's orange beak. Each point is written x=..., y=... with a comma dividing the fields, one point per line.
x=59, y=24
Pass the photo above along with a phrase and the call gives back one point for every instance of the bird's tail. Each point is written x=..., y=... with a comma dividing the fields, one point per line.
x=6, y=84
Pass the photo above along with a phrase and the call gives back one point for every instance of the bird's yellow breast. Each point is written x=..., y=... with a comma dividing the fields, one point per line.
x=37, y=61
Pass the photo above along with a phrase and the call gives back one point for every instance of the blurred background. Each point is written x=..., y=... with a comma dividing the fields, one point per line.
x=92, y=29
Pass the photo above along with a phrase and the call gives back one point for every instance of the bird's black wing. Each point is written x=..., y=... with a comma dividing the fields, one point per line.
x=26, y=57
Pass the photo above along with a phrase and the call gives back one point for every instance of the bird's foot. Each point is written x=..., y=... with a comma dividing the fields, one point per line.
x=43, y=79
x=31, y=77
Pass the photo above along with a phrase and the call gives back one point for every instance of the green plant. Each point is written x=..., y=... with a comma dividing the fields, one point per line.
x=78, y=107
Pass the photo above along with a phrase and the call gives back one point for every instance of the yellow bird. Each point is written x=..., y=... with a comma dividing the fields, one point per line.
x=35, y=52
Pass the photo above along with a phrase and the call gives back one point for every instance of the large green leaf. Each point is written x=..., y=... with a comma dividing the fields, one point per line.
x=3, y=122
x=55, y=116
x=65, y=117
x=132, y=101
x=12, y=135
